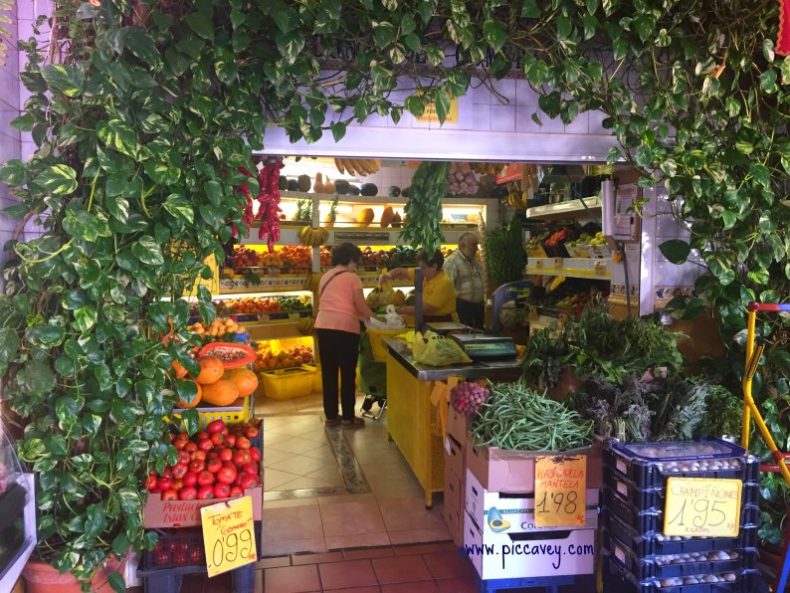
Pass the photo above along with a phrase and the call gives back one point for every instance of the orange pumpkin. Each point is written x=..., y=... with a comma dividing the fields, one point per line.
x=179, y=369
x=244, y=379
x=211, y=370
x=220, y=393
x=196, y=401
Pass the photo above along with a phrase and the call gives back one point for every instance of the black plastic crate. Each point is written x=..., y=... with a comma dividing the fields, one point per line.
x=648, y=465
x=653, y=497
x=183, y=547
x=652, y=519
x=618, y=580
x=678, y=565
x=652, y=543
x=169, y=580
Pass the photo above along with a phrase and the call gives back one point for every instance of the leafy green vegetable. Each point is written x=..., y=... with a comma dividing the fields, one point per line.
x=504, y=254
x=423, y=208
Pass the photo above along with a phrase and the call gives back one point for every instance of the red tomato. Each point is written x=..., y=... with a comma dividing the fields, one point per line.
x=169, y=494
x=197, y=466
x=183, y=457
x=218, y=439
x=222, y=490
x=203, y=435
x=206, y=445
x=236, y=491
x=214, y=466
x=187, y=493
x=225, y=454
x=199, y=455
x=167, y=473
x=191, y=447
x=151, y=483
x=248, y=481
x=255, y=454
x=216, y=426
x=251, y=432
x=243, y=443
x=164, y=484
x=190, y=478
x=179, y=470
x=250, y=468
x=205, y=478
x=230, y=440
x=212, y=455
x=180, y=444
x=227, y=474
x=205, y=492
x=178, y=485
x=241, y=457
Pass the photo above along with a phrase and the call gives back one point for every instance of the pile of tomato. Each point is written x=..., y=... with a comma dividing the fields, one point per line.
x=218, y=462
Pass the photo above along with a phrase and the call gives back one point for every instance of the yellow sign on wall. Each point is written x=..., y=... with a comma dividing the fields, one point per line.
x=560, y=485
x=430, y=116
x=228, y=535
x=703, y=507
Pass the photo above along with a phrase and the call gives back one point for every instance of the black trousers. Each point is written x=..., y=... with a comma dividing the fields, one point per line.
x=339, y=351
x=471, y=314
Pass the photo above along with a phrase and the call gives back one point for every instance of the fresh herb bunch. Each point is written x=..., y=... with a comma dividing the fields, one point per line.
x=599, y=345
x=519, y=418
x=505, y=255
x=423, y=208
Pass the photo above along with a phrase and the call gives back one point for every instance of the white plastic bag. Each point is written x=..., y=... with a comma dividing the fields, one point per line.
x=374, y=323
x=392, y=319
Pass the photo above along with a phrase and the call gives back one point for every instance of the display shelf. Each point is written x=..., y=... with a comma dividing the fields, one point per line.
x=238, y=287
x=597, y=269
x=571, y=208
x=372, y=235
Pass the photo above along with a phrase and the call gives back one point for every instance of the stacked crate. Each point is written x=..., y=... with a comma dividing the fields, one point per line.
x=454, y=474
x=638, y=557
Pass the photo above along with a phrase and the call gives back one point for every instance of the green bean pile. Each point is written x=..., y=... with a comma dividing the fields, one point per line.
x=518, y=418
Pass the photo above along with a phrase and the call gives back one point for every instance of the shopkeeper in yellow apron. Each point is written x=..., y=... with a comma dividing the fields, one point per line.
x=438, y=292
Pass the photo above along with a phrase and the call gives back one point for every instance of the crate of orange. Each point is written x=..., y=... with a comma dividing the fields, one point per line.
x=224, y=386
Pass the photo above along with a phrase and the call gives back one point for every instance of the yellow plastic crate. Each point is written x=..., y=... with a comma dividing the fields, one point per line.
x=240, y=411
x=317, y=382
x=288, y=383
x=377, y=345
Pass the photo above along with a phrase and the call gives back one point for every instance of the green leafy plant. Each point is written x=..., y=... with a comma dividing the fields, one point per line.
x=505, y=255
x=423, y=208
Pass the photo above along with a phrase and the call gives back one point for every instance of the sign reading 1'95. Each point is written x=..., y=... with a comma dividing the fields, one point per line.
x=702, y=507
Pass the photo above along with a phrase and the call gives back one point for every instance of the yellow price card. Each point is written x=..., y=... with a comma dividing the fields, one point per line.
x=228, y=535
x=703, y=507
x=560, y=485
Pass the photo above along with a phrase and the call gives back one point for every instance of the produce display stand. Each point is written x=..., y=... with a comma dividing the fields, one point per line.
x=754, y=353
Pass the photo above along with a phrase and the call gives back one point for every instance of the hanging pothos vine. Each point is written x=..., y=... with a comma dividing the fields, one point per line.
x=149, y=110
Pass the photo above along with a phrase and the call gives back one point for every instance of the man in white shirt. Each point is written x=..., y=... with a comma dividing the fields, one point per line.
x=467, y=275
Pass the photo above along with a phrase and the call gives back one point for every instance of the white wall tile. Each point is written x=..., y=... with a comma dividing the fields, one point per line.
x=596, y=122
x=525, y=96
x=579, y=125
x=503, y=118
x=507, y=90
x=481, y=117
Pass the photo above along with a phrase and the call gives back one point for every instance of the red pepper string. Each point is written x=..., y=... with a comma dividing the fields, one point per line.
x=248, y=216
x=269, y=200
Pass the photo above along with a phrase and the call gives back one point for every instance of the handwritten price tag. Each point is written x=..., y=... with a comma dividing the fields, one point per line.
x=560, y=486
x=702, y=507
x=228, y=535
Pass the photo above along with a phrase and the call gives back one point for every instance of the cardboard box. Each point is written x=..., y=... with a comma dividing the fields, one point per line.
x=457, y=425
x=453, y=505
x=502, y=470
x=162, y=514
x=454, y=459
x=506, y=556
x=517, y=510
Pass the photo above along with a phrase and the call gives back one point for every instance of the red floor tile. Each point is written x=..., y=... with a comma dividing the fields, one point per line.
x=371, y=589
x=467, y=585
x=299, y=559
x=447, y=565
x=417, y=587
x=381, y=552
x=400, y=569
x=273, y=562
x=347, y=574
x=292, y=579
x=424, y=548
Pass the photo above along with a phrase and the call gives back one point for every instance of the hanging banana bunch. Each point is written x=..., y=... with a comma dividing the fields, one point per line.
x=359, y=167
x=313, y=236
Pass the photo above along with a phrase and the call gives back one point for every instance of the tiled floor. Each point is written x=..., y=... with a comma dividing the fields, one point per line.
x=308, y=507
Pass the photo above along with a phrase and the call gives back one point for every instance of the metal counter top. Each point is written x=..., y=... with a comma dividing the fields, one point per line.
x=502, y=370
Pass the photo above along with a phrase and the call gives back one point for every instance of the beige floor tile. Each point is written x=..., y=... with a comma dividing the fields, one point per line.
x=323, y=452
x=293, y=546
x=401, y=514
x=307, y=482
x=419, y=535
x=299, y=465
x=298, y=445
x=273, y=479
x=288, y=503
x=272, y=456
x=351, y=518
x=295, y=522
x=346, y=498
x=359, y=540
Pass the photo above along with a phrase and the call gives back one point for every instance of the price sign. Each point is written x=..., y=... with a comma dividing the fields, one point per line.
x=228, y=535
x=560, y=485
x=702, y=507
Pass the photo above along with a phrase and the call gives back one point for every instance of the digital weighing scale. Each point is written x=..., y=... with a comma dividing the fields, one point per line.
x=486, y=347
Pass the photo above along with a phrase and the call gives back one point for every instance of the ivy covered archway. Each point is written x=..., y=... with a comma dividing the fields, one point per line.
x=150, y=109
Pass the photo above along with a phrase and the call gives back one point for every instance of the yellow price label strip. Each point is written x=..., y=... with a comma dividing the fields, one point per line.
x=702, y=507
x=228, y=535
x=560, y=485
